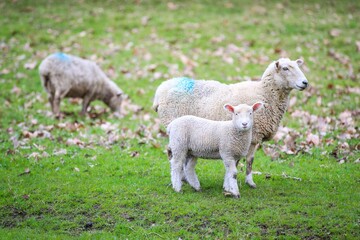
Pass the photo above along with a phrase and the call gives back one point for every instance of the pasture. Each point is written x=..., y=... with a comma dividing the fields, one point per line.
x=105, y=177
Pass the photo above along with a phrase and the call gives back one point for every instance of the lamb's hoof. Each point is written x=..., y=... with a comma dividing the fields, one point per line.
x=229, y=194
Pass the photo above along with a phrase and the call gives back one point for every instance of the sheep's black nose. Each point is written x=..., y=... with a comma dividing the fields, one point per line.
x=244, y=124
x=305, y=82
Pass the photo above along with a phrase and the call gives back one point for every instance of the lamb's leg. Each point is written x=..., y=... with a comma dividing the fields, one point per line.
x=182, y=173
x=230, y=181
x=249, y=162
x=85, y=104
x=176, y=163
x=190, y=173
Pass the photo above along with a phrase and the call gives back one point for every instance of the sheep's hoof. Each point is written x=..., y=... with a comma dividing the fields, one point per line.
x=251, y=184
x=59, y=116
x=118, y=115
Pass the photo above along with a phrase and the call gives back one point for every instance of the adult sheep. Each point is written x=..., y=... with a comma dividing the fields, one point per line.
x=183, y=96
x=64, y=75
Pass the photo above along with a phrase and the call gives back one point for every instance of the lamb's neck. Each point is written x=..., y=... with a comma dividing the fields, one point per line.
x=238, y=135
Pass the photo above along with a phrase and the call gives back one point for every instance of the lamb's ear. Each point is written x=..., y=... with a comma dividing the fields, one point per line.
x=229, y=108
x=257, y=106
x=300, y=62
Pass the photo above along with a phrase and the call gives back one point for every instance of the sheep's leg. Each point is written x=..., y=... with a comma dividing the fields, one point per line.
x=85, y=104
x=51, y=101
x=249, y=162
x=56, y=104
x=190, y=173
x=176, y=163
x=230, y=181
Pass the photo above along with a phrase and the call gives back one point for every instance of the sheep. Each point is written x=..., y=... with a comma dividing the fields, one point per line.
x=191, y=137
x=65, y=76
x=183, y=96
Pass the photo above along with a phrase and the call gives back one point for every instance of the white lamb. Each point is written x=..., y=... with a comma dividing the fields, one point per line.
x=183, y=96
x=64, y=76
x=191, y=137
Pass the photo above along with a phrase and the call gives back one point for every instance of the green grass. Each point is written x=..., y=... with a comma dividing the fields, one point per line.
x=99, y=190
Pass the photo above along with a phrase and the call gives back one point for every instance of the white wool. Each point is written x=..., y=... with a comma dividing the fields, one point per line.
x=64, y=76
x=191, y=137
x=205, y=98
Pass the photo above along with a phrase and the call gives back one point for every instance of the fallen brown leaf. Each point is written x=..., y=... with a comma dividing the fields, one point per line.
x=335, y=32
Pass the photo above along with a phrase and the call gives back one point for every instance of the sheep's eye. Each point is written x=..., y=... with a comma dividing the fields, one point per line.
x=285, y=68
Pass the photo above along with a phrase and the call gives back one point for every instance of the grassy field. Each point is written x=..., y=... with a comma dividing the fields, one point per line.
x=103, y=177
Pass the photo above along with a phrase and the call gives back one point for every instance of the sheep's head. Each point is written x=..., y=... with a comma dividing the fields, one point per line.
x=115, y=97
x=242, y=115
x=115, y=102
x=289, y=75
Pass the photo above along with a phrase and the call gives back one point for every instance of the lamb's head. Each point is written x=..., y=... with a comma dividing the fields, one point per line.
x=242, y=115
x=288, y=74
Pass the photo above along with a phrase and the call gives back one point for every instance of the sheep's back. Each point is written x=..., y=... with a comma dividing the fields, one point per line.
x=202, y=98
x=71, y=72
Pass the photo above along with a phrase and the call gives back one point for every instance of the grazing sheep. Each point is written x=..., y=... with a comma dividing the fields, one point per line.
x=183, y=96
x=64, y=76
x=191, y=137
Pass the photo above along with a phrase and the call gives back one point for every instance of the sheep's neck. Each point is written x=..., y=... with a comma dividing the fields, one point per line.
x=276, y=103
x=103, y=96
x=277, y=96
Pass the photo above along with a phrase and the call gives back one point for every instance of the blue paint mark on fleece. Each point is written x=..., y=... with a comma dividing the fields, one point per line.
x=186, y=84
x=62, y=56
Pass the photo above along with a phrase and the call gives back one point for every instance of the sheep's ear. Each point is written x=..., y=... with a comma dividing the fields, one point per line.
x=229, y=108
x=277, y=65
x=300, y=62
x=257, y=106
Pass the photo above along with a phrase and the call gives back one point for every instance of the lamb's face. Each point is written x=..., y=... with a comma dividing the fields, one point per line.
x=289, y=75
x=243, y=115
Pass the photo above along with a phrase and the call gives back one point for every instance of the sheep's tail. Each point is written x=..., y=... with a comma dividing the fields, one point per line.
x=45, y=79
x=155, y=105
x=45, y=75
x=169, y=152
